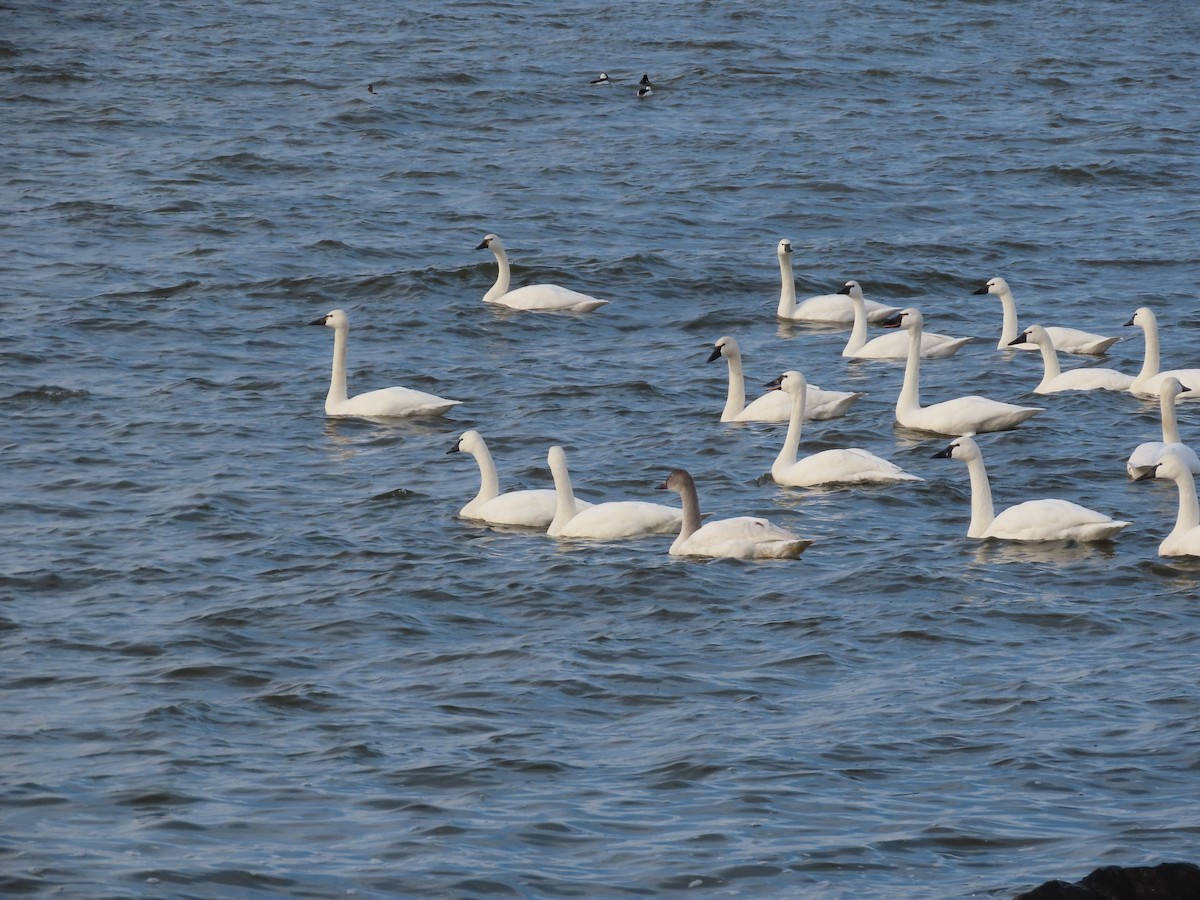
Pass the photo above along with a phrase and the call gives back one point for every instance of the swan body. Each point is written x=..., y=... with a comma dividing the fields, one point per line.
x=823, y=308
x=604, y=521
x=962, y=415
x=850, y=466
x=742, y=537
x=1148, y=382
x=1068, y=340
x=1033, y=520
x=1054, y=379
x=1184, y=539
x=392, y=402
x=772, y=406
x=528, y=509
x=1149, y=454
x=536, y=297
x=893, y=345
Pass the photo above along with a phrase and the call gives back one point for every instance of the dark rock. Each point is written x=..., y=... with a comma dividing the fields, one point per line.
x=1166, y=881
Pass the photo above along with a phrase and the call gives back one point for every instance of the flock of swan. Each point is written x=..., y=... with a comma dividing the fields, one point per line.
x=790, y=398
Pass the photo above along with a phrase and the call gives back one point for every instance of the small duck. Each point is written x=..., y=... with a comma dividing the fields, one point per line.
x=371, y=89
x=603, y=79
x=645, y=91
x=645, y=82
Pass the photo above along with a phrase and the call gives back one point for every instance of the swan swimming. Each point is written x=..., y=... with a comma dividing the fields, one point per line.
x=1184, y=539
x=1068, y=340
x=1150, y=453
x=742, y=537
x=893, y=345
x=962, y=415
x=1033, y=520
x=529, y=509
x=772, y=406
x=604, y=521
x=1148, y=382
x=532, y=297
x=850, y=466
x=823, y=308
x=1054, y=379
x=389, y=402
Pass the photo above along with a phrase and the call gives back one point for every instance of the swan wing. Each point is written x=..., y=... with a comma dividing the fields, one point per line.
x=623, y=518
x=838, y=308
x=1053, y=520
x=968, y=415
x=528, y=509
x=1151, y=453
x=1185, y=544
x=894, y=345
x=822, y=404
x=392, y=402
x=1152, y=386
x=1087, y=379
x=848, y=466
x=548, y=298
x=773, y=406
x=742, y=537
x=1072, y=340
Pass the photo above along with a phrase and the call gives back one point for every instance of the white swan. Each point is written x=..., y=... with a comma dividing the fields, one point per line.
x=1054, y=379
x=604, y=521
x=823, y=308
x=850, y=466
x=1184, y=539
x=962, y=415
x=1150, y=453
x=743, y=537
x=1033, y=520
x=538, y=297
x=529, y=509
x=1148, y=382
x=772, y=406
x=893, y=345
x=389, y=402
x=1068, y=340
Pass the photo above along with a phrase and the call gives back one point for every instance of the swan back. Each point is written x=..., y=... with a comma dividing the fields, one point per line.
x=604, y=521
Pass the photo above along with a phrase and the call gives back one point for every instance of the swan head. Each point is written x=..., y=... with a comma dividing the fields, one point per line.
x=678, y=481
x=1170, y=466
x=1143, y=317
x=994, y=286
x=791, y=382
x=727, y=347
x=1034, y=334
x=910, y=318
x=556, y=457
x=469, y=442
x=335, y=318
x=784, y=249
x=852, y=289
x=963, y=448
x=490, y=242
x=1170, y=388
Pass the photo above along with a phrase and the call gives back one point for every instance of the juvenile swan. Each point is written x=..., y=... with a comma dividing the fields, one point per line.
x=529, y=509
x=1033, y=520
x=1054, y=379
x=1148, y=382
x=823, y=308
x=543, y=297
x=963, y=415
x=851, y=466
x=1068, y=340
x=384, y=403
x=1184, y=539
x=604, y=521
x=743, y=537
x=893, y=345
x=1150, y=453
x=772, y=406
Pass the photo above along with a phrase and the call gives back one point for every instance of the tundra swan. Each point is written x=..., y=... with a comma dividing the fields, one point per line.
x=1148, y=382
x=539, y=297
x=529, y=509
x=1184, y=539
x=1054, y=379
x=892, y=345
x=604, y=521
x=1068, y=340
x=962, y=415
x=851, y=466
x=742, y=537
x=772, y=406
x=389, y=402
x=1033, y=520
x=823, y=308
x=1151, y=453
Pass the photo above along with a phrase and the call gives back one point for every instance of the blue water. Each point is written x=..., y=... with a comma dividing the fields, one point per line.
x=251, y=651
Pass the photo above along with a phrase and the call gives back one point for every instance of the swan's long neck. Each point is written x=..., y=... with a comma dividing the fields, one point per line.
x=910, y=392
x=1050, y=361
x=791, y=443
x=858, y=334
x=500, y=288
x=691, y=514
x=1008, y=331
x=337, y=382
x=489, y=479
x=735, y=399
x=787, y=287
x=1151, y=361
x=1189, y=507
x=1170, y=421
x=982, y=511
x=564, y=510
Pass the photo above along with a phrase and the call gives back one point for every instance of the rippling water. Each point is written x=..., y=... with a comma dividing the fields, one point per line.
x=249, y=650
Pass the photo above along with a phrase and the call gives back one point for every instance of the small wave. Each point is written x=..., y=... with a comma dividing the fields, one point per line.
x=50, y=393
